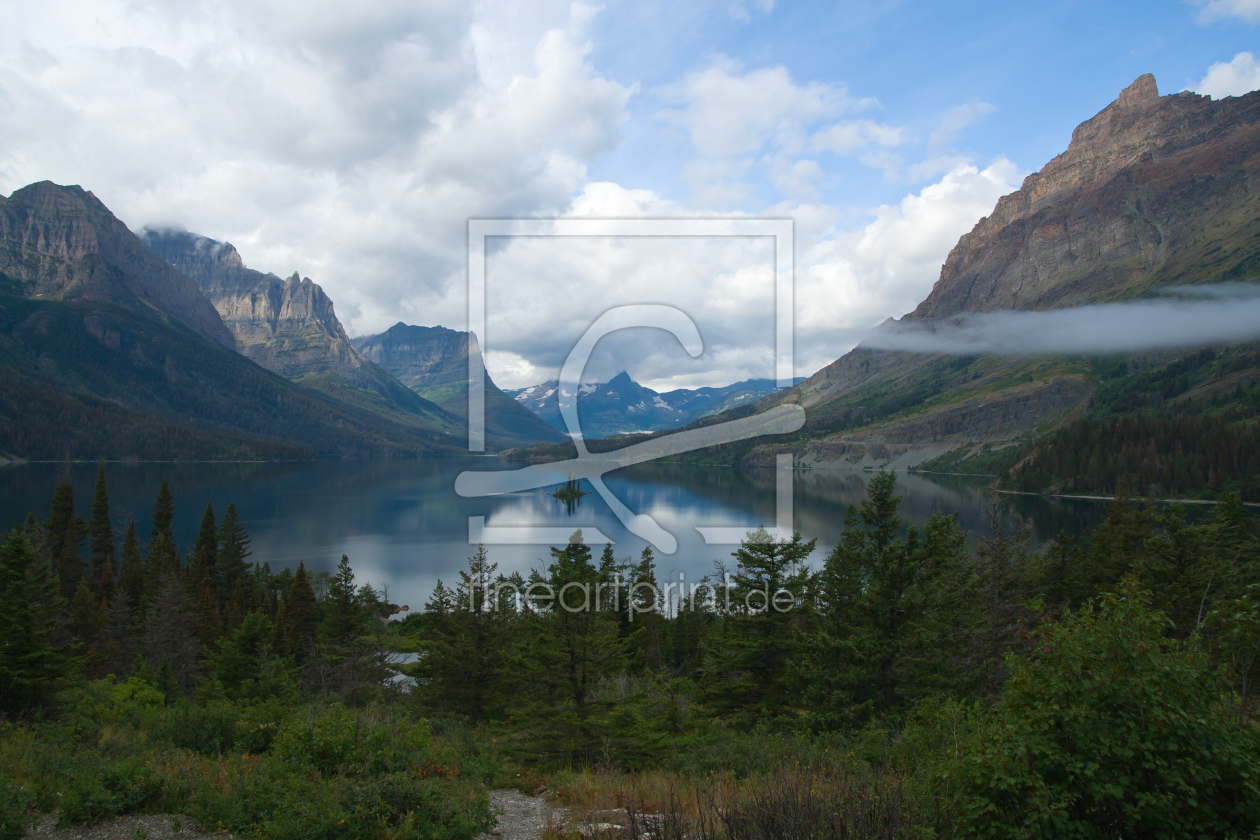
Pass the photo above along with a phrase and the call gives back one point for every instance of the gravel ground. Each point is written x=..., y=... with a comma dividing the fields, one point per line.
x=154, y=826
x=522, y=817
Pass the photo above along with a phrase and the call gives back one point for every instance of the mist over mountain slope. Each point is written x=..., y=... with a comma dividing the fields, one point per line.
x=1153, y=192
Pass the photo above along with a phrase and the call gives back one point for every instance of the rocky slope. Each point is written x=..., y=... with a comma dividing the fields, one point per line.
x=433, y=362
x=289, y=327
x=62, y=243
x=1153, y=191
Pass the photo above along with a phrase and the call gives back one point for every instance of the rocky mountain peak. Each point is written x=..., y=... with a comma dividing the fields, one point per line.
x=1111, y=211
x=288, y=326
x=1142, y=89
x=61, y=242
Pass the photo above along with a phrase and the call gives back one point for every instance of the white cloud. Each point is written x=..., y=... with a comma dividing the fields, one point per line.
x=1234, y=78
x=844, y=138
x=739, y=8
x=849, y=283
x=738, y=121
x=846, y=283
x=1231, y=312
x=348, y=141
x=1213, y=10
x=958, y=118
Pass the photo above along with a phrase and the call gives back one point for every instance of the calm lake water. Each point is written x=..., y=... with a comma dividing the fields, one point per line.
x=403, y=526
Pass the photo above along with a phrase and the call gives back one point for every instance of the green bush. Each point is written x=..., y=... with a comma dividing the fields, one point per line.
x=209, y=729
x=1109, y=730
x=335, y=740
x=16, y=802
x=107, y=790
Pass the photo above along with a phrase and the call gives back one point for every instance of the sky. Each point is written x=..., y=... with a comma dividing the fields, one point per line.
x=353, y=142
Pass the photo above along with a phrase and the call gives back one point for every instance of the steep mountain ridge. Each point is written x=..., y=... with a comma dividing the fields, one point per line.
x=289, y=326
x=62, y=243
x=433, y=362
x=1153, y=191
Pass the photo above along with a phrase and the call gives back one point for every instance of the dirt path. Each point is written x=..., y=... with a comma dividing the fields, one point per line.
x=522, y=817
x=147, y=826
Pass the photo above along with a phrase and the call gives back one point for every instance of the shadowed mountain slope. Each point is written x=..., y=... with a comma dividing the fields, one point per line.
x=433, y=362
x=289, y=327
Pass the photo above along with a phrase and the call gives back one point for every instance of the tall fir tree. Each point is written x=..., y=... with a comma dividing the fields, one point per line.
x=301, y=613
x=132, y=576
x=463, y=650
x=101, y=530
x=32, y=665
x=895, y=611
x=65, y=533
x=343, y=615
x=233, y=549
x=205, y=551
x=163, y=560
x=564, y=651
x=771, y=590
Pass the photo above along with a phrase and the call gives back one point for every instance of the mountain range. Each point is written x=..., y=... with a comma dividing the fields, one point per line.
x=166, y=345
x=622, y=406
x=1153, y=191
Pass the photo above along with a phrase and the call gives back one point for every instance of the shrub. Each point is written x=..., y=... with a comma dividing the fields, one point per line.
x=107, y=790
x=336, y=740
x=16, y=801
x=1108, y=729
x=209, y=729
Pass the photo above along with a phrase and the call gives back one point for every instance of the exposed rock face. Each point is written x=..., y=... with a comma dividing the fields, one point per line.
x=63, y=243
x=287, y=326
x=433, y=362
x=1152, y=190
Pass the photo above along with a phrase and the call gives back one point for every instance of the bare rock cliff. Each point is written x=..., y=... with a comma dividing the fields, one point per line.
x=287, y=325
x=63, y=243
x=1152, y=190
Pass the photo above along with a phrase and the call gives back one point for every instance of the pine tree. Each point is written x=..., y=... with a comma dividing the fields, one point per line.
x=281, y=634
x=463, y=653
x=31, y=665
x=207, y=625
x=88, y=618
x=168, y=632
x=65, y=534
x=204, y=555
x=648, y=605
x=132, y=576
x=343, y=615
x=121, y=628
x=234, y=612
x=163, y=560
x=772, y=586
x=894, y=611
x=565, y=650
x=233, y=549
x=301, y=613
x=101, y=558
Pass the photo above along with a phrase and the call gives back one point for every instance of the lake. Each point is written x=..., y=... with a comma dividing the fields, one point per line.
x=403, y=526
